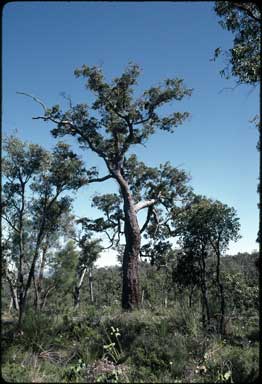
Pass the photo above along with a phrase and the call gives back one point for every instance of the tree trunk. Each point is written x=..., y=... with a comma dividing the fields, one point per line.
x=191, y=291
x=130, y=292
x=39, y=280
x=11, y=305
x=22, y=302
x=78, y=287
x=205, y=310
x=90, y=281
x=13, y=291
x=23, y=296
x=142, y=298
x=21, y=264
x=48, y=290
x=25, y=287
x=76, y=297
x=14, y=302
x=36, y=299
x=221, y=294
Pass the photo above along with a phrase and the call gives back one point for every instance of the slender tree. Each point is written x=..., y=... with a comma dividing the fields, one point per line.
x=63, y=271
x=206, y=227
x=32, y=204
x=118, y=123
x=90, y=250
x=64, y=228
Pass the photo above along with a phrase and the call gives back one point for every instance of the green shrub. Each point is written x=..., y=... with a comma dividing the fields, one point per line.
x=38, y=330
x=245, y=364
x=229, y=363
x=160, y=353
x=184, y=319
x=15, y=373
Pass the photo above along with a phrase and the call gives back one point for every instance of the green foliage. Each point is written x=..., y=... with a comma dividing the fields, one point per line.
x=35, y=333
x=156, y=353
x=35, y=208
x=243, y=20
x=107, y=285
x=64, y=267
x=74, y=373
x=113, y=350
x=14, y=373
x=232, y=364
x=165, y=182
x=204, y=221
x=121, y=116
x=156, y=344
x=240, y=294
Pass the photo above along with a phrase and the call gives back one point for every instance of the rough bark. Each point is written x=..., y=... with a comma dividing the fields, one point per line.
x=130, y=293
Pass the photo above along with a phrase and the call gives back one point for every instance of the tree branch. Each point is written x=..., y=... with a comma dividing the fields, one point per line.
x=35, y=99
x=111, y=239
x=10, y=223
x=100, y=179
x=156, y=220
x=144, y=204
x=66, y=122
x=149, y=213
x=245, y=8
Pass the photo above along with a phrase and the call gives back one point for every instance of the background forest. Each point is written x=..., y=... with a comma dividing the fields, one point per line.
x=177, y=307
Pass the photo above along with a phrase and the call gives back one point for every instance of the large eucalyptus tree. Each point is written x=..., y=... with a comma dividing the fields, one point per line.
x=114, y=123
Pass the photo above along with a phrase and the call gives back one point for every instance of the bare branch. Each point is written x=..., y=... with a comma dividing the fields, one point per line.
x=111, y=239
x=35, y=99
x=10, y=223
x=229, y=88
x=56, y=121
x=68, y=98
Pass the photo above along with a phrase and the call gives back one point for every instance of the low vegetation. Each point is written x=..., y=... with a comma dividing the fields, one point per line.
x=164, y=341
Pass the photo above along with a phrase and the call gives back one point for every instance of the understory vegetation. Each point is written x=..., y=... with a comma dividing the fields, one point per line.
x=163, y=341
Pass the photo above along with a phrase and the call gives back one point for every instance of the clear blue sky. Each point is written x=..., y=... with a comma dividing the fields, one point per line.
x=43, y=42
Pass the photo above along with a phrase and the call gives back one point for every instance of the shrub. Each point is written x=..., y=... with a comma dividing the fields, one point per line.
x=244, y=364
x=231, y=363
x=160, y=353
x=14, y=373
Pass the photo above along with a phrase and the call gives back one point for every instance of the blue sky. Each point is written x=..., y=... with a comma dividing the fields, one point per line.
x=43, y=42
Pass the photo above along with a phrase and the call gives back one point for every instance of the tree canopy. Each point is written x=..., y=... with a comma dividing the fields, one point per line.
x=243, y=19
x=114, y=123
